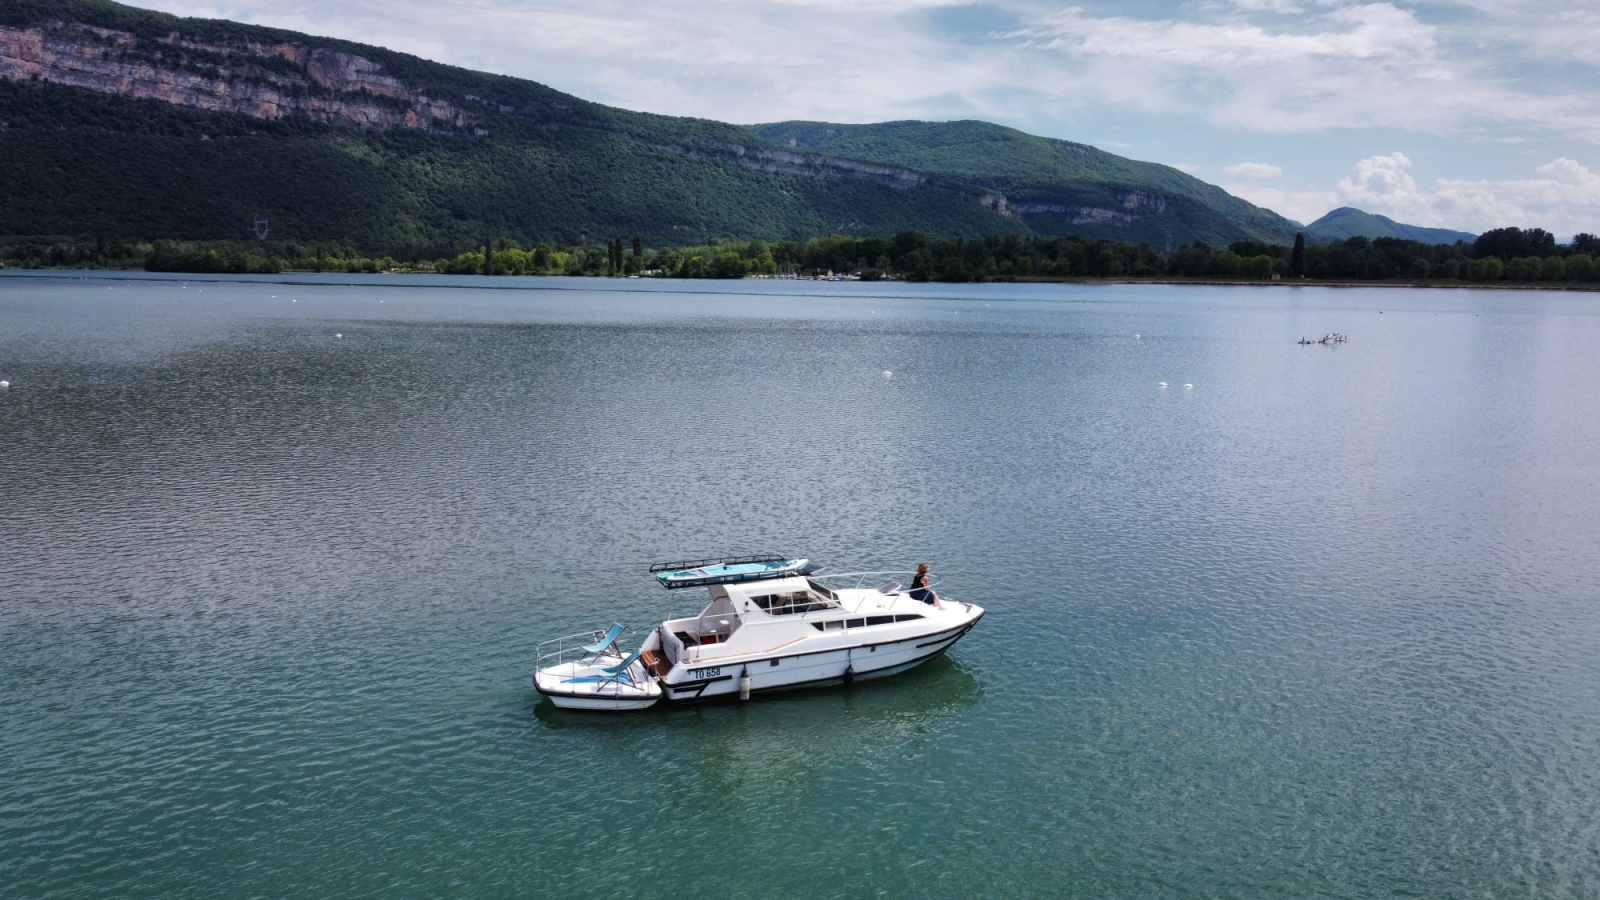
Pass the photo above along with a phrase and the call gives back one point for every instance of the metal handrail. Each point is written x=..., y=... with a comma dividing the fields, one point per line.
x=861, y=577
x=574, y=644
x=861, y=580
x=717, y=561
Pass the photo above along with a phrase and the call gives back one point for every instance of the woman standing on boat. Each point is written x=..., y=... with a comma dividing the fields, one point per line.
x=919, y=587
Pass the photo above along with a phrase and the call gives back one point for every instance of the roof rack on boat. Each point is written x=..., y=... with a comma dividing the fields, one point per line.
x=728, y=569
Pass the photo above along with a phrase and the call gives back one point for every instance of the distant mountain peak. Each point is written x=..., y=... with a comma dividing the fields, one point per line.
x=1348, y=222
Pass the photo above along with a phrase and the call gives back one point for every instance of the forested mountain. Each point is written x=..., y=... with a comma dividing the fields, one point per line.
x=1349, y=222
x=122, y=123
x=1057, y=187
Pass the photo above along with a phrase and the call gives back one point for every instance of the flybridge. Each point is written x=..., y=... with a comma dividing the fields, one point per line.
x=728, y=570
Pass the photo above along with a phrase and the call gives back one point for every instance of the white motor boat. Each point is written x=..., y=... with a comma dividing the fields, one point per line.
x=590, y=671
x=790, y=629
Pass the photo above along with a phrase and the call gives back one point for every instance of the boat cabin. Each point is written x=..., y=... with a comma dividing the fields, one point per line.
x=755, y=615
x=733, y=605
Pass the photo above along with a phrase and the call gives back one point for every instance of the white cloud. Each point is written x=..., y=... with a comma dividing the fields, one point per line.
x=1540, y=29
x=1563, y=197
x=1253, y=170
x=1348, y=66
x=1368, y=32
x=1379, y=178
x=1568, y=171
x=1282, y=7
x=1303, y=206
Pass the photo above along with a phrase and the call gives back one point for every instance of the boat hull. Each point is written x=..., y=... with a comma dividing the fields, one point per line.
x=579, y=686
x=809, y=669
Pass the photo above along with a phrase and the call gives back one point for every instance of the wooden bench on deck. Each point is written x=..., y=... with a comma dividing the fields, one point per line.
x=656, y=663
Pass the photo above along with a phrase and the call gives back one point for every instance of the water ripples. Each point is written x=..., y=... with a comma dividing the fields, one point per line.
x=1322, y=625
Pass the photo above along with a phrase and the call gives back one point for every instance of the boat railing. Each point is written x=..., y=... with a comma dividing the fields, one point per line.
x=718, y=627
x=573, y=647
x=682, y=565
x=876, y=580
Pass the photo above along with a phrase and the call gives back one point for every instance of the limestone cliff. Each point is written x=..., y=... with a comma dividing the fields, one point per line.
x=1131, y=202
x=510, y=154
x=264, y=80
x=273, y=80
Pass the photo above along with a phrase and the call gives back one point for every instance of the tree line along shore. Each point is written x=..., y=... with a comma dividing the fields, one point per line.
x=1504, y=256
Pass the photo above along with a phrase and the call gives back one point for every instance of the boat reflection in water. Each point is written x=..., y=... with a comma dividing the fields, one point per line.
x=788, y=736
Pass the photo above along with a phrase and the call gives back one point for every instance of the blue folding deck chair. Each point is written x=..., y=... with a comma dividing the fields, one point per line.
x=599, y=647
x=620, y=670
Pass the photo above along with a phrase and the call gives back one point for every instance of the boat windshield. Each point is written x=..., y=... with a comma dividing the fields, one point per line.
x=791, y=602
x=823, y=592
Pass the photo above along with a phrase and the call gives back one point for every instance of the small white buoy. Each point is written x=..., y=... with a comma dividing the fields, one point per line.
x=1136, y=334
x=744, y=685
x=1188, y=385
x=887, y=373
x=293, y=300
x=339, y=336
x=1161, y=384
x=4, y=385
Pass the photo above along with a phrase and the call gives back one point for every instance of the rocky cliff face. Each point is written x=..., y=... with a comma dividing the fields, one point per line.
x=1131, y=202
x=268, y=81
x=275, y=80
x=770, y=160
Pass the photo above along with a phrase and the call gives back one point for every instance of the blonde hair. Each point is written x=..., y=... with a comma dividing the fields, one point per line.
x=922, y=568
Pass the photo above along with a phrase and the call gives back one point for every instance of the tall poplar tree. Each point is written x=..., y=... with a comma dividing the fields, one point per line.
x=1297, y=256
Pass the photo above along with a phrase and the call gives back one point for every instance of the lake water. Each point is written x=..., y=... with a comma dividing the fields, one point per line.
x=1324, y=624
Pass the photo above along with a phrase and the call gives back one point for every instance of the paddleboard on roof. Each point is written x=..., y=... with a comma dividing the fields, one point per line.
x=727, y=570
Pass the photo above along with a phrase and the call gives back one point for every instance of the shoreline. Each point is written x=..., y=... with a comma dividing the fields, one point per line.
x=289, y=277
x=1574, y=286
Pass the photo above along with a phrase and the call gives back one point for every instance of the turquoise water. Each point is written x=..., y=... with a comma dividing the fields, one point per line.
x=1323, y=624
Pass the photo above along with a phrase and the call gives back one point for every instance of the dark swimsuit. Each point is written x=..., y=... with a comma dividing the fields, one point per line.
x=919, y=589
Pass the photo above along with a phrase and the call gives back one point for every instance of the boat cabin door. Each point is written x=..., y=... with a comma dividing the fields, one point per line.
x=719, y=620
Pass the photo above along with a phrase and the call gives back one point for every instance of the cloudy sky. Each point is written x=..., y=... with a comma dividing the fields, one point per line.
x=1465, y=114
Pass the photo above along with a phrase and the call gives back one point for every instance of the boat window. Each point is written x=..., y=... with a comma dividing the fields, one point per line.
x=821, y=591
x=860, y=623
x=908, y=617
x=789, y=604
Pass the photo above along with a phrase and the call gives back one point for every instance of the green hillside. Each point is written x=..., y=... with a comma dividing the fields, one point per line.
x=1037, y=170
x=533, y=164
x=81, y=163
x=1348, y=222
